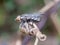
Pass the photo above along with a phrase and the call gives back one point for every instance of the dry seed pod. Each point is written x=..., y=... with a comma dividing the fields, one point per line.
x=41, y=37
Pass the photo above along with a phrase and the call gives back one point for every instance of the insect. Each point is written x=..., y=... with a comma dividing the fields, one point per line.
x=26, y=19
x=28, y=25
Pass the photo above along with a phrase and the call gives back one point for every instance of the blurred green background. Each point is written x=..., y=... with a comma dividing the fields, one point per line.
x=9, y=9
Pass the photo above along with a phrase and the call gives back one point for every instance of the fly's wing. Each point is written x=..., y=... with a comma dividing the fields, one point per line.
x=36, y=17
x=33, y=17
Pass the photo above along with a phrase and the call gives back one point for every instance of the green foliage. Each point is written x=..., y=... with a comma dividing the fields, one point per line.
x=2, y=16
x=58, y=11
x=9, y=4
x=29, y=7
